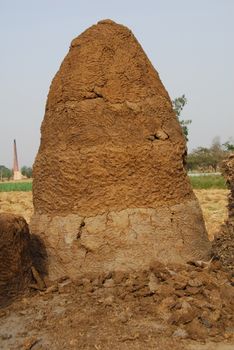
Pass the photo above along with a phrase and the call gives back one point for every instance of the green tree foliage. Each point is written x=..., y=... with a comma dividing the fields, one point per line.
x=178, y=105
x=229, y=145
x=26, y=171
x=205, y=159
x=5, y=173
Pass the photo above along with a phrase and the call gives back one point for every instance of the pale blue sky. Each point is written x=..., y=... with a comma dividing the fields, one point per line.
x=189, y=42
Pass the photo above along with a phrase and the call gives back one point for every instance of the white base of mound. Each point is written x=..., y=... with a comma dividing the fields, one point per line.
x=129, y=239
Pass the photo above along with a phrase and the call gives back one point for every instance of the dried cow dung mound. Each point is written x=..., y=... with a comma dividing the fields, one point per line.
x=110, y=190
x=223, y=244
x=15, y=261
x=228, y=172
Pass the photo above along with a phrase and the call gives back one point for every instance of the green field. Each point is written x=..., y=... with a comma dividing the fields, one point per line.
x=208, y=181
x=198, y=182
x=15, y=186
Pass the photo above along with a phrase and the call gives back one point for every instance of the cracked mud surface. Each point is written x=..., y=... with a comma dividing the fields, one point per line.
x=128, y=239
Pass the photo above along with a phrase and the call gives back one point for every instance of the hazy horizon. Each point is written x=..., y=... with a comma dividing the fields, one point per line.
x=188, y=42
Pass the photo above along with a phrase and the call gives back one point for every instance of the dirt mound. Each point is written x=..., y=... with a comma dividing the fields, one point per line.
x=109, y=130
x=15, y=260
x=228, y=172
x=223, y=245
x=110, y=190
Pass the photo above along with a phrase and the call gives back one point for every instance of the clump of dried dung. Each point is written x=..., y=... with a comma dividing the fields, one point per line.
x=15, y=257
x=223, y=244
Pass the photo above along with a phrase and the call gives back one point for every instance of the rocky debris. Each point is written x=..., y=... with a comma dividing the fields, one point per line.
x=192, y=302
x=223, y=244
x=171, y=302
x=15, y=258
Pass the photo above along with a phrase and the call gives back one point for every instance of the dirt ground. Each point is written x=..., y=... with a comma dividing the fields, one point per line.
x=166, y=307
x=19, y=203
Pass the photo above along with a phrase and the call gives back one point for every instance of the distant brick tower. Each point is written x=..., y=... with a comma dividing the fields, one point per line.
x=16, y=172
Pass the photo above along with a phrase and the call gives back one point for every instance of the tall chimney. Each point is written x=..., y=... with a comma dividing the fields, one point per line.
x=16, y=172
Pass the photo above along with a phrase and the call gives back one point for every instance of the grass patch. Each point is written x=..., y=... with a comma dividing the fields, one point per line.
x=208, y=181
x=16, y=186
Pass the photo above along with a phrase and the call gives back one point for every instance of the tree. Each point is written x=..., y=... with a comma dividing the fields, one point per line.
x=217, y=152
x=5, y=173
x=203, y=158
x=229, y=145
x=26, y=171
x=200, y=159
x=178, y=105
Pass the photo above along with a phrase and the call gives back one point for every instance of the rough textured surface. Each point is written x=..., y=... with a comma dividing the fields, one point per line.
x=228, y=172
x=109, y=139
x=223, y=244
x=111, y=142
x=15, y=261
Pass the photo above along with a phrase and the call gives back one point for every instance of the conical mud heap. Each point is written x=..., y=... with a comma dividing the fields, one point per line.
x=223, y=244
x=110, y=190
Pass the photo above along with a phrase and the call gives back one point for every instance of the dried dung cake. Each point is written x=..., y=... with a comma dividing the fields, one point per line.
x=223, y=245
x=110, y=189
x=228, y=172
x=15, y=260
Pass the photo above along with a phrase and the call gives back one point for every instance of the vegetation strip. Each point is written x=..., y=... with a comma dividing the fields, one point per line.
x=15, y=186
x=208, y=181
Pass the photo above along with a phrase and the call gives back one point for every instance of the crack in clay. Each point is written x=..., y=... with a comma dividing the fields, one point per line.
x=82, y=225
